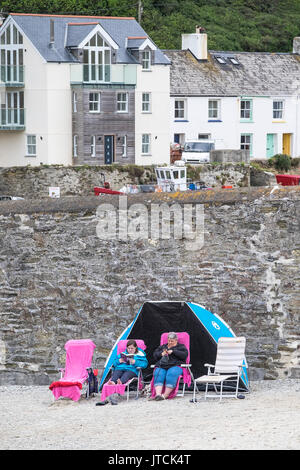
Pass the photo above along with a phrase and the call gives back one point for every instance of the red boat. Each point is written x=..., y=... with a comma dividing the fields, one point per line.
x=288, y=180
x=98, y=190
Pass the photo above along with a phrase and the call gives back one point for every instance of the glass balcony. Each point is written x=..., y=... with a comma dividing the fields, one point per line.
x=12, y=75
x=12, y=119
x=96, y=73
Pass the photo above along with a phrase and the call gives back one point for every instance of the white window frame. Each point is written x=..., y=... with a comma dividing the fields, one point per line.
x=97, y=59
x=75, y=145
x=93, y=146
x=95, y=103
x=74, y=102
x=247, y=145
x=146, y=102
x=278, y=110
x=246, y=110
x=214, y=112
x=122, y=104
x=181, y=112
x=146, y=144
x=31, y=152
x=146, y=60
x=124, y=146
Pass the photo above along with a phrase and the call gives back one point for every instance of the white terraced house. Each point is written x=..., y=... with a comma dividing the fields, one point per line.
x=241, y=100
x=81, y=90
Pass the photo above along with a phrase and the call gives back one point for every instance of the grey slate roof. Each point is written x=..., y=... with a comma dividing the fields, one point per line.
x=258, y=74
x=37, y=29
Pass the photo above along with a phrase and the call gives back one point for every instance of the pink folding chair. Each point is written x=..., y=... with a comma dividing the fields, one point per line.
x=183, y=338
x=108, y=390
x=79, y=354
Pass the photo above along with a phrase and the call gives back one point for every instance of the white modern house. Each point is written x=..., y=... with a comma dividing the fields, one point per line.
x=241, y=100
x=81, y=90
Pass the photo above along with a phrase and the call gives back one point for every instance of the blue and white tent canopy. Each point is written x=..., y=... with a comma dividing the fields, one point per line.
x=204, y=328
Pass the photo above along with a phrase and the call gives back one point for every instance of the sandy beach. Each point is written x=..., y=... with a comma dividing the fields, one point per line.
x=267, y=419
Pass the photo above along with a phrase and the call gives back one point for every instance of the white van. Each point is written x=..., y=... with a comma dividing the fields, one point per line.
x=197, y=151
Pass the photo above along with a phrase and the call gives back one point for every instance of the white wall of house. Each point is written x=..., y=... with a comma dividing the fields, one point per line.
x=156, y=123
x=59, y=114
x=47, y=102
x=227, y=128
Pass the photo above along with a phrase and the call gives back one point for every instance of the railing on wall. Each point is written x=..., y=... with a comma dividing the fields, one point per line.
x=12, y=118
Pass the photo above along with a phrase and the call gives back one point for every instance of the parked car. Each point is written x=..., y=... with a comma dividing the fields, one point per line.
x=10, y=198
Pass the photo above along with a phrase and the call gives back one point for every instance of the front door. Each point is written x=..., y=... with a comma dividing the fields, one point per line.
x=270, y=145
x=286, y=144
x=109, y=149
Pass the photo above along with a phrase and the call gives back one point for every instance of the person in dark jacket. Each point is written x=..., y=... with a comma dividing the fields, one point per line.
x=168, y=359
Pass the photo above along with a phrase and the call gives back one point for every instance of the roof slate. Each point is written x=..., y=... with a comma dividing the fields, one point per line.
x=258, y=74
x=37, y=29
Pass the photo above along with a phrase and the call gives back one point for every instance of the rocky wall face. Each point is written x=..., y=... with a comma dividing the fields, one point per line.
x=60, y=281
x=34, y=182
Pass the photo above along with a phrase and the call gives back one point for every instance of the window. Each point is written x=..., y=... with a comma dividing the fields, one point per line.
x=124, y=146
x=31, y=146
x=220, y=59
x=246, y=142
x=146, y=60
x=74, y=102
x=93, y=146
x=234, y=61
x=75, y=146
x=146, y=144
x=122, y=102
x=94, y=102
x=146, y=107
x=180, y=109
x=213, y=109
x=204, y=136
x=246, y=109
x=96, y=60
x=278, y=106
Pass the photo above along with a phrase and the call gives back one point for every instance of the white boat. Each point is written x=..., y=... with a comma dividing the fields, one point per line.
x=171, y=178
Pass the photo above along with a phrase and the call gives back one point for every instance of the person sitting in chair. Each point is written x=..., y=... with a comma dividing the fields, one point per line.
x=126, y=364
x=125, y=368
x=169, y=357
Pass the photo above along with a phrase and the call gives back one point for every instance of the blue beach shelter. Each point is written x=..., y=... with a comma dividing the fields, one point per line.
x=204, y=328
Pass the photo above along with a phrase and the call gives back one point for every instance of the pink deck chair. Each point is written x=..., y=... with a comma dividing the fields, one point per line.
x=183, y=338
x=108, y=390
x=79, y=354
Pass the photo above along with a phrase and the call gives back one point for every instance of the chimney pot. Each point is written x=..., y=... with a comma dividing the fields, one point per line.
x=51, y=31
x=196, y=43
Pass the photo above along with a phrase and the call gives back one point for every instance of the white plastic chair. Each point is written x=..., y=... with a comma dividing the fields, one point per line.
x=230, y=361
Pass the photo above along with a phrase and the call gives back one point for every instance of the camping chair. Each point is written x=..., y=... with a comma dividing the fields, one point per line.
x=187, y=376
x=79, y=355
x=108, y=390
x=230, y=361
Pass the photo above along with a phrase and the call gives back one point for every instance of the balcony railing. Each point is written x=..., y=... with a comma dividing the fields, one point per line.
x=12, y=75
x=12, y=118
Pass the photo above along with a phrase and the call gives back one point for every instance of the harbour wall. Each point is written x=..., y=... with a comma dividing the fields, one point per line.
x=60, y=280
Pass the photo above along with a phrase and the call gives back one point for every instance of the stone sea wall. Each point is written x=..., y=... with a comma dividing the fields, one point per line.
x=59, y=280
x=34, y=182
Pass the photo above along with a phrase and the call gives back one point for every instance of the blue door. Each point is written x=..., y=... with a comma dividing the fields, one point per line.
x=109, y=149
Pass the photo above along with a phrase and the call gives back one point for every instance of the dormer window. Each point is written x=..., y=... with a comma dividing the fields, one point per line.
x=146, y=60
x=96, y=60
x=11, y=55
